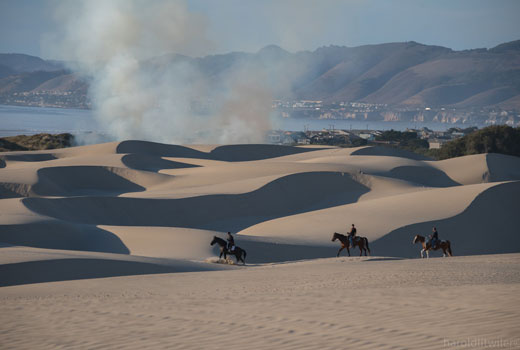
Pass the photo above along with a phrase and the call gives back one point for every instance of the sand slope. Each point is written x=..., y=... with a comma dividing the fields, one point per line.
x=108, y=246
x=168, y=201
x=23, y=265
x=332, y=303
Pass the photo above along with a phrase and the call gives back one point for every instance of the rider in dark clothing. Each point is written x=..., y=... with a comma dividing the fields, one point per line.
x=434, y=238
x=231, y=242
x=351, y=235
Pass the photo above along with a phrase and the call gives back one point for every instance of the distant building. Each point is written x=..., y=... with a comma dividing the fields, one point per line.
x=368, y=137
x=436, y=143
x=274, y=136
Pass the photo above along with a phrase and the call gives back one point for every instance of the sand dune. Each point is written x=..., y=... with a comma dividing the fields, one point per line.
x=426, y=176
x=152, y=163
x=282, y=197
x=387, y=152
x=54, y=234
x=481, y=168
x=497, y=212
x=192, y=244
x=114, y=240
x=373, y=303
x=229, y=153
x=466, y=170
x=23, y=265
x=503, y=167
x=28, y=157
x=76, y=181
x=374, y=218
x=96, y=198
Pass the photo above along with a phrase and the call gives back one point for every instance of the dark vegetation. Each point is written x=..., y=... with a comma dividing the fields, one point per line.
x=406, y=140
x=35, y=142
x=492, y=139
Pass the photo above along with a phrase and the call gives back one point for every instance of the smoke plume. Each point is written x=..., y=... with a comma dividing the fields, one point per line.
x=140, y=88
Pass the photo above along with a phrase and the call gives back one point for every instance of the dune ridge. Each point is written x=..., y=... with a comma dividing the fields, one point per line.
x=114, y=240
x=163, y=201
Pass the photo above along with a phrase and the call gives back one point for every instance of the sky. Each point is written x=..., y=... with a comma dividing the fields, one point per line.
x=295, y=25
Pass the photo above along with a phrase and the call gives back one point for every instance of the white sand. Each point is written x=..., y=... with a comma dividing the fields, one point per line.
x=126, y=228
x=342, y=303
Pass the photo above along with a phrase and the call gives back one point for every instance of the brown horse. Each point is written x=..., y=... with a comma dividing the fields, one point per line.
x=426, y=246
x=361, y=242
x=238, y=253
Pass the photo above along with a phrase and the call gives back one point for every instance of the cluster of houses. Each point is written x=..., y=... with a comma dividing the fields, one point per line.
x=437, y=138
x=323, y=137
x=358, y=137
x=360, y=111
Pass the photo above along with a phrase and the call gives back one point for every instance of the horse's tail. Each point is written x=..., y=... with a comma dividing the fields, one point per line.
x=366, y=242
x=449, y=248
x=245, y=254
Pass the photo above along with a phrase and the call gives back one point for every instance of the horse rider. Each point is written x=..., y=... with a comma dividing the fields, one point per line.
x=434, y=238
x=351, y=235
x=231, y=242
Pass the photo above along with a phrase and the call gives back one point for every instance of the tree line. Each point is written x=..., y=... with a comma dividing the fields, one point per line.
x=492, y=139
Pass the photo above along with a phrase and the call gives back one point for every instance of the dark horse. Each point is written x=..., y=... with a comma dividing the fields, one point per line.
x=426, y=246
x=237, y=252
x=361, y=242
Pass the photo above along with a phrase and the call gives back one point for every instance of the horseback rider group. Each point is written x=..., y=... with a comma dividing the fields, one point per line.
x=433, y=241
x=348, y=242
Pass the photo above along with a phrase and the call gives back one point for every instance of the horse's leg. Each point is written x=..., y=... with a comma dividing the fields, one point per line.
x=428, y=254
x=339, y=251
x=422, y=253
x=221, y=252
x=348, y=250
x=360, y=250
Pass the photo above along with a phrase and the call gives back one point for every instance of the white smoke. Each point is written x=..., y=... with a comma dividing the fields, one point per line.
x=120, y=45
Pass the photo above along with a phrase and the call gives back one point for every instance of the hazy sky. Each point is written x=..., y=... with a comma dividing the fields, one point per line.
x=248, y=25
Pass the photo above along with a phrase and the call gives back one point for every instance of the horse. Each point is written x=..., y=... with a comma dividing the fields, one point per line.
x=237, y=252
x=361, y=242
x=427, y=246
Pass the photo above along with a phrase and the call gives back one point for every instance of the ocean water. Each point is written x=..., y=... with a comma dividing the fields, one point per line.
x=15, y=120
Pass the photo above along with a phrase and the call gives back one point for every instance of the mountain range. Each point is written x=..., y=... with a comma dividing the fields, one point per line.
x=405, y=74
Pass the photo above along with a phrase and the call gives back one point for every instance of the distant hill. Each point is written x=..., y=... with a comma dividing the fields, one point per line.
x=32, y=81
x=397, y=74
x=20, y=63
x=27, y=81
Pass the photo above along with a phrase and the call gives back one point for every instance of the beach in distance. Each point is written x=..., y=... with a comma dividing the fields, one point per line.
x=108, y=246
